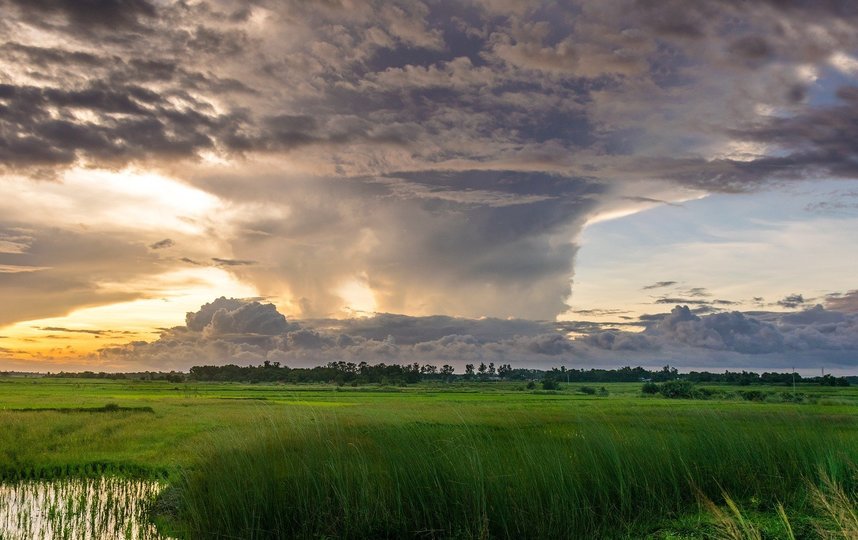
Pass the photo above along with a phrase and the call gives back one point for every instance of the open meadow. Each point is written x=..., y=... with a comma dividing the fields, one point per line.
x=461, y=460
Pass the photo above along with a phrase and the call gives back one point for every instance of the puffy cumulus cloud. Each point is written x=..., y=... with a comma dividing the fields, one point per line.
x=804, y=336
x=722, y=331
x=230, y=316
x=249, y=332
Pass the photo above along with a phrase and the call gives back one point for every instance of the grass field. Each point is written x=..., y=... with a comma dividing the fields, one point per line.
x=446, y=461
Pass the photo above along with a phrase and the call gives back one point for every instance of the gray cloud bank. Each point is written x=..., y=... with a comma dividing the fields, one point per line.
x=250, y=332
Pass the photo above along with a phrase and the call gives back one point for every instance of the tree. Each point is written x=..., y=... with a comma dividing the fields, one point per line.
x=447, y=372
x=504, y=370
x=469, y=371
x=482, y=369
x=491, y=369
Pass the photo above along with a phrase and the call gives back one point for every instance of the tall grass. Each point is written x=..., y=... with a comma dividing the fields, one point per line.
x=593, y=478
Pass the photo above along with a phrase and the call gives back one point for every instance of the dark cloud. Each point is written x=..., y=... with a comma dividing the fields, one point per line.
x=70, y=330
x=791, y=301
x=162, y=244
x=442, y=81
x=751, y=49
x=132, y=124
x=599, y=312
x=232, y=262
x=659, y=285
x=86, y=13
x=674, y=300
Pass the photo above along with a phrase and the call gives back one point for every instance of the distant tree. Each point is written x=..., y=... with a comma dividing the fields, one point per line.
x=492, y=369
x=447, y=372
x=504, y=370
x=469, y=371
x=482, y=369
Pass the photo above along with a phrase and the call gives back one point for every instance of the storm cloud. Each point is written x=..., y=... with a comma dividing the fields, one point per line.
x=411, y=157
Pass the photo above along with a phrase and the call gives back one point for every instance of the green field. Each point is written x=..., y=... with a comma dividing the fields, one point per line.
x=479, y=460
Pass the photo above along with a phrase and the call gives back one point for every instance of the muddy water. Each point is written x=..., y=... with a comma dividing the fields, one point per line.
x=96, y=509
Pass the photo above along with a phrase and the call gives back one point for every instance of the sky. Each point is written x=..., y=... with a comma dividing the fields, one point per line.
x=623, y=182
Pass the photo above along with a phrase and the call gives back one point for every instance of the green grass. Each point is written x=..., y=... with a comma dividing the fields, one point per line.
x=593, y=476
x=438, y=461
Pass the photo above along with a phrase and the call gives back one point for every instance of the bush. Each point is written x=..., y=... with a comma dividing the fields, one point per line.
x=650, y=388
x=531, y=385
x=603, y=391
x=550, y=384
x=753, y=395
x=589, y=390
x=677, y=389
x=703, y=393
x=111, y=407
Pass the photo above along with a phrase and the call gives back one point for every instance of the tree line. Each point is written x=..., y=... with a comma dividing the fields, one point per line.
x=365, y=373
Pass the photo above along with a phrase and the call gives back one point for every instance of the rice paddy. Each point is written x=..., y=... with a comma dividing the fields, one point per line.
x=104, y=508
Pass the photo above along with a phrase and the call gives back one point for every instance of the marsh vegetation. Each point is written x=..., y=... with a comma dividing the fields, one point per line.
x=479, y=460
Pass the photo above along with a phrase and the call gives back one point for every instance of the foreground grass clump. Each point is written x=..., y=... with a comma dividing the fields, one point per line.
x=587, y=478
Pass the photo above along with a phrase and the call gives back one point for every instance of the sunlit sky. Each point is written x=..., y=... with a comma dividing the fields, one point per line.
x=609, y=183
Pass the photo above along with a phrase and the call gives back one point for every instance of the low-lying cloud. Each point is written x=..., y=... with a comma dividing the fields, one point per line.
x=250, y=332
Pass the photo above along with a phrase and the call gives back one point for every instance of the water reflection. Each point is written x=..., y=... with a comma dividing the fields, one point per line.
x=96, y=509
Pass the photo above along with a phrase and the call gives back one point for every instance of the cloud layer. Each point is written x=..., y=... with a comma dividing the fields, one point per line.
x=250, y=332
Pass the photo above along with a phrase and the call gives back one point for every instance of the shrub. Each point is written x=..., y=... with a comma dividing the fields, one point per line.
x=677, y=389
x=531, y=385
x=589, y=390
x=753, y=395
x=650, y=388
x=550, y=384
x=603, y=391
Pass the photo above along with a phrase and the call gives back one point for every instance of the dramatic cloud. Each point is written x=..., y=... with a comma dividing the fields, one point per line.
x=412, y=157
x=246, y=331
x=229, y=316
